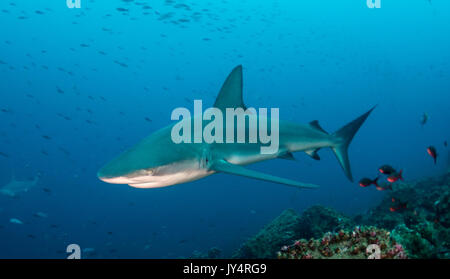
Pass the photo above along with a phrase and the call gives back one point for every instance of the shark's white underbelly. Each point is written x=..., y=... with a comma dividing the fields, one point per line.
x=248, y=158
x=172, y=179
x=157, y=181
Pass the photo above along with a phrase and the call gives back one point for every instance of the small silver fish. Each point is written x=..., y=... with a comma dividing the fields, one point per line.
x=15, y=221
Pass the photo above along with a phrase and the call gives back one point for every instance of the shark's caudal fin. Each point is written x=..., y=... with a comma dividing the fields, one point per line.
x=344, y=136
x=230, y=95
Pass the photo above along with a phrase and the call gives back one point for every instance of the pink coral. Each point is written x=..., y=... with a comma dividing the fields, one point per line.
x=345, y=244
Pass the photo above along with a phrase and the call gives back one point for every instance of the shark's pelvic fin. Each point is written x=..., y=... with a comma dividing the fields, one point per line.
x=287, y=156
x=225, y=167
x=230, y=95
x=343, y=138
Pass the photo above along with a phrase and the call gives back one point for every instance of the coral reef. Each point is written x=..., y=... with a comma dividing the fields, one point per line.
x=413, y=219
x=354, y=244
x=423, y=226
x=314, y=222
x=280, y=231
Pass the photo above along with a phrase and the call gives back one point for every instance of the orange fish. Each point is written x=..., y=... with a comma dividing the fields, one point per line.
x=387, y=169
x=380, y=188
x=432, y=152
x=367, y=182
x=395, y=177
x=400, y=205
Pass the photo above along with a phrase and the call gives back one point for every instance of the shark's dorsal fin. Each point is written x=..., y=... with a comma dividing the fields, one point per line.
x=225, y=167
x=315, y=124
x=230, y=95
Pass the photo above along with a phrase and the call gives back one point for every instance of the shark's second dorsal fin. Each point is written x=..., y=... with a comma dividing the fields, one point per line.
x=315, y=124
x=230, y=95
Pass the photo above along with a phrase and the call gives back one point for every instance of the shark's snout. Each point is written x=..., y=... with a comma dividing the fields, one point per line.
x=113, y=180
x=106, y=179
x=114, y=173
x=109, y=174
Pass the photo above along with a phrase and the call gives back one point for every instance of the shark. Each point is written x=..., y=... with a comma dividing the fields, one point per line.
x=14, y=186
x=156, y=161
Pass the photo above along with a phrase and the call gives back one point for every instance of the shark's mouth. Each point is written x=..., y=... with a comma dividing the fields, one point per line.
x=156, y=181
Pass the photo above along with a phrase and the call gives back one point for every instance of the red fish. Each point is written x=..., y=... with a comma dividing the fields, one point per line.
x=367, y=182
x=386, y=169
x=397, y=208
x=399, y=205
x=380, y=188
x=395, y=177
x=432, y=152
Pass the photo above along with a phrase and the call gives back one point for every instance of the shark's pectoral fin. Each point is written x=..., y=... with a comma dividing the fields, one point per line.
x=225, y=167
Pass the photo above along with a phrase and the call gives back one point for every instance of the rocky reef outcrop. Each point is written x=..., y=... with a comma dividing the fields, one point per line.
x=317, y=220
x=422, y=225
x=287, y=227
x=412, y=221
x=213, y=253
x=282, y=230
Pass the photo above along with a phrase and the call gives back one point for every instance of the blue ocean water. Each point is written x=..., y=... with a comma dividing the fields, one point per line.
x=79, y=86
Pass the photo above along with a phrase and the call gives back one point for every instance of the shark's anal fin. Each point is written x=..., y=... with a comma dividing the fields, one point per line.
x=313, y=153
x=287, y=156
x=225, y=167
